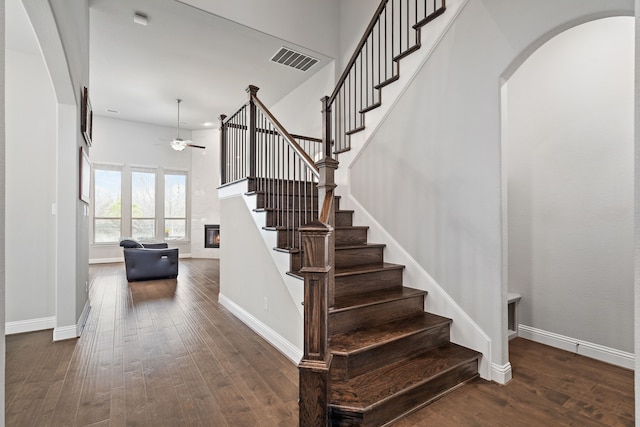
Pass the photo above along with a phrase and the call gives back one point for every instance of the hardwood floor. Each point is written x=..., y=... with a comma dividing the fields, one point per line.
x=157, y=353
x=164, y=353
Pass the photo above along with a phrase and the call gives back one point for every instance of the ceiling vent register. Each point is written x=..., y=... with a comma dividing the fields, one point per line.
x=293, y=59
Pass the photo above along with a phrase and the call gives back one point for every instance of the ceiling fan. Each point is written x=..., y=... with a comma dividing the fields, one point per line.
x=178, y=143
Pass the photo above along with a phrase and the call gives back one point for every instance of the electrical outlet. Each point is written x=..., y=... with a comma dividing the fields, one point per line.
x=266, y=304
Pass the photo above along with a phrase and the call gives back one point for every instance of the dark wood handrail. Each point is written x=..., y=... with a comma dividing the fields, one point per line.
x=356, y=53
x=287, y=136
x=272, y=132
x=307, y=138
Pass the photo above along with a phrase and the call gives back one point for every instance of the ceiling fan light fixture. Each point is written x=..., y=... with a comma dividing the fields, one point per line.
x=178, y=144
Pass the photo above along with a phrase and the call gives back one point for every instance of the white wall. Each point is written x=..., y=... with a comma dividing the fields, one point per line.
x=637, y=212
x=205, y=179
x=355, y=15
x=431, y=174
x=250, y=283
x=300, y=111
x=127, y=143
x=298, y=21
x=62, y=29
x=2, y=210
x=569, y=153
x=30, y=188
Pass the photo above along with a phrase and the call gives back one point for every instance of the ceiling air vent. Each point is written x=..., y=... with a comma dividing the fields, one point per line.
x=291, y=58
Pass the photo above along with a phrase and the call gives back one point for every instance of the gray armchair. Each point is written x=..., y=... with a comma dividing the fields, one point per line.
x=149, y=261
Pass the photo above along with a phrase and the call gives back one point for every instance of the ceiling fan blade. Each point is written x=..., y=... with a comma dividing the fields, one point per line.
x=196, y=146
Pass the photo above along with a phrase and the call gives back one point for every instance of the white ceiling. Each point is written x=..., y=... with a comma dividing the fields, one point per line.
x=183, y=52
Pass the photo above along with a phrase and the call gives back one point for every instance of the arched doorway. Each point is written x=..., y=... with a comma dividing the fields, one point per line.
x=568, y=169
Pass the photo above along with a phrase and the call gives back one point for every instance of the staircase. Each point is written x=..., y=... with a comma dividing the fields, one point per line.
x=389, y=356
x=372, y=354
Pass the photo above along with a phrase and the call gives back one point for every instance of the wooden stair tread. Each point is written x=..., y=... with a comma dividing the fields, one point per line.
x=377, y=386
x=360, y=246
x=365, y=339
x=287, y=250
x=372, y=298
x=368, y=268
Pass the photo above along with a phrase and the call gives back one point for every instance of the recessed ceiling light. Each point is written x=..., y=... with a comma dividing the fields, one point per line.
x=140, y=18
x=112, y=111
x=207, y=124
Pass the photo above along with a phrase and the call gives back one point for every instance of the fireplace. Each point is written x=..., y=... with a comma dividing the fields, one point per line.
x=212, y=236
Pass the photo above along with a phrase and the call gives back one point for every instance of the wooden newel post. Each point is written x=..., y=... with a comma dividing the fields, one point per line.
x=252, y=91
x=223, y=151
x=326, y=184
x=314, y=367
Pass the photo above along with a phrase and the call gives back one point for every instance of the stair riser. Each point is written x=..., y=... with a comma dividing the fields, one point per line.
x=348, y=258
x=351, y=236
x=275, y=219
x=407, y=402
x=346, y=367
x=344, y=219
x=377, y=314
x=354, y=236
x=298, y=201
x=368, y=282
x=295, y=262
x=358, y=256
x=278, y=186
x=288, y=239
x=294, y=201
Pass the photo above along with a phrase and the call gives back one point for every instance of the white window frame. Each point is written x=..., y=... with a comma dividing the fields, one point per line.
x=187, y=211
x=156, y=174
x=106, y=167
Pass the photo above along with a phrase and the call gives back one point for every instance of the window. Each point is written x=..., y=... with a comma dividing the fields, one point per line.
x=147, y=203
x=107, y=216
x=143, y=205
x=175, y=206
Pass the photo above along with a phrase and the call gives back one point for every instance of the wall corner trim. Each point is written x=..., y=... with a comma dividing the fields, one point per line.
x=83, y=317
x=285, y=347
x=501, y=373
x=72, y=331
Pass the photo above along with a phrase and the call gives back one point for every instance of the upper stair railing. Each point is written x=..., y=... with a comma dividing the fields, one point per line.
x=279, y=166
x=393, y=33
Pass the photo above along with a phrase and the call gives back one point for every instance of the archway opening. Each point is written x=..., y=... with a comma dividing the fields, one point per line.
x=568, y=137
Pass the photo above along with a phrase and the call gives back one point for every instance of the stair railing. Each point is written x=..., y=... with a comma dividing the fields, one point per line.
x=393, y=33
x=279, y=166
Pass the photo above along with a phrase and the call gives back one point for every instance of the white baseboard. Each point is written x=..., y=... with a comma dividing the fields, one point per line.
x=280, y=343
x=574, y=345
x=105, y=260
x=29, y=325
x=61, y=333
x=501, y=373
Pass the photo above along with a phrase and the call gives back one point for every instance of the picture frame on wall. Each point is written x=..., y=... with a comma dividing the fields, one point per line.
x=86, y=121
x=85, y=177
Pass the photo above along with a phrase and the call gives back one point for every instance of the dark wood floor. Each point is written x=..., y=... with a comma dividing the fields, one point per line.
x=164, y=353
